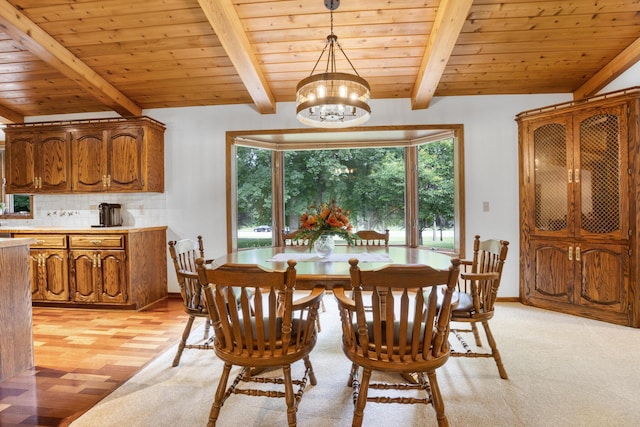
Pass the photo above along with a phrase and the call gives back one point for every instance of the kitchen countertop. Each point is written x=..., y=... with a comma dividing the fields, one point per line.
x=8, y=242
x=85, y=230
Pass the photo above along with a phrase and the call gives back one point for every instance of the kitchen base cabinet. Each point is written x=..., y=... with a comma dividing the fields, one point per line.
x=98, y=276
x=49, y=275
x=49, y=267
x=106, y=268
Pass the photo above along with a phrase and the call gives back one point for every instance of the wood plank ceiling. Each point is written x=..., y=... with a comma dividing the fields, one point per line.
x=72, y=56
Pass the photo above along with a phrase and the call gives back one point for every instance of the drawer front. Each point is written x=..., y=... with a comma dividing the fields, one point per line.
x=45, y=240
x=114, y=241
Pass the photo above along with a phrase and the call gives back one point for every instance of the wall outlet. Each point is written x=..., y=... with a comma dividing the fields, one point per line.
x=485, y=206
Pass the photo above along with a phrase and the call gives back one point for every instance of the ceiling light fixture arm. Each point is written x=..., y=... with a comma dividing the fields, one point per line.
x=332, y=99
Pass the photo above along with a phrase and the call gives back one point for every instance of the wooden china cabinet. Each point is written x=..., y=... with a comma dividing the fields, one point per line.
x=579, y=177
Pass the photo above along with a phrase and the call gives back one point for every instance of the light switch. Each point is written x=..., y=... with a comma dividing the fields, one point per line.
x=485, y=206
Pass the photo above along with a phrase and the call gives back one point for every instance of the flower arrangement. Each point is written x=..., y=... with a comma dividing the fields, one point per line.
x=325, y=219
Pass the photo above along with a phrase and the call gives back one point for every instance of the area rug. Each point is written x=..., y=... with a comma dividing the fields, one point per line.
x=563, y=371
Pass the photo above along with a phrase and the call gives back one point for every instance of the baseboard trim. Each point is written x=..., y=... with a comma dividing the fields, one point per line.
x=508, y=299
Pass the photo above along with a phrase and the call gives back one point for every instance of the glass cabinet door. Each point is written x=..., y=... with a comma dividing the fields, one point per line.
x=550, y=165
x=599, y=172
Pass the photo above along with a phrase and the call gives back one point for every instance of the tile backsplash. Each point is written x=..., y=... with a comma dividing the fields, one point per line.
x=81, y=210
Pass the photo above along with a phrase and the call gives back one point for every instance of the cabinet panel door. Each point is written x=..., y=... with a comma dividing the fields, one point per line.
x=604, y=276
x=53, y=160
x=36, y=276
x=55, y=269
x=113, y=277
x=125, y=157
x=49, y=275
x=553, y=271
x=84, y=276
x=89, y=161
x=21, y=162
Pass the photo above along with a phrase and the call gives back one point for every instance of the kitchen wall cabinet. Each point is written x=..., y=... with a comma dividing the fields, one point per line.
x=123, y=268
x=579, y=174
x=38, y=162
x=83, y=156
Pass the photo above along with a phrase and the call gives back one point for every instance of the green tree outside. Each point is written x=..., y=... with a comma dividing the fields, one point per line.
x=369, y=183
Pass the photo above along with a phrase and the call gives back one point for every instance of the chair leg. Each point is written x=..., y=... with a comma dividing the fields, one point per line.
x=358, y=411
x=219, y=397
x=312, y=375
x=207, y=327
x=183, y=340
x=288, y=396
x=494, y=351
x=353, y=375
x=476, y=334
x=436, y=398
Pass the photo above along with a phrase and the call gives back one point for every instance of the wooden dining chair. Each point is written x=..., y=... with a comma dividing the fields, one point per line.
x=405, y=333
x=477, y=291
x=372, y=238
x=281, y=332
x=184, y=254
x=289, y=239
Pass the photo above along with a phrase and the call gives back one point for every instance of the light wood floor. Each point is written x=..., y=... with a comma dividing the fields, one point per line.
x=83, y=355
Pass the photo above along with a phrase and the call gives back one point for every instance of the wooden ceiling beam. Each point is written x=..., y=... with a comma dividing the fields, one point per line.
x=449, y=20
x=45, y=47
x=618, y=65
x=226, y=24
x=7, y=115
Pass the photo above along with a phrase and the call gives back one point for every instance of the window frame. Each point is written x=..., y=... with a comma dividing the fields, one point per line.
x=279, y=141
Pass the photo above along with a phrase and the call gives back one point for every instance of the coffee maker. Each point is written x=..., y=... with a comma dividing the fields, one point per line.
x=109, y=214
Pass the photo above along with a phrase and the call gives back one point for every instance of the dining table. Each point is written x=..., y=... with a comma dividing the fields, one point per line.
x=333, y=270
x=313, y=270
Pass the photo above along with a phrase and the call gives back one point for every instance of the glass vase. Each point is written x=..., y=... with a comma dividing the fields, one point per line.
x=324, y=245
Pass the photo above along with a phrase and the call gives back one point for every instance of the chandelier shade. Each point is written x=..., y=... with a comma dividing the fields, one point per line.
x=332, y=99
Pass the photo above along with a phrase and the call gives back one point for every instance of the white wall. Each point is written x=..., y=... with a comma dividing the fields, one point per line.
x=195, y=154
x=194, y=199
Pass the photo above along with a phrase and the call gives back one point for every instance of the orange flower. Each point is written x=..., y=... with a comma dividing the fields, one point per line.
x=325, y=219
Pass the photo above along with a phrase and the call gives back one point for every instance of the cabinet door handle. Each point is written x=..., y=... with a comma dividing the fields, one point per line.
x=40, y=242
x=94, y=263
x=569, y=176
x=576, y=176
x=577, y=253
x=104, y=180
x=570, y=253
x=109, y=180
x=95, y=242
x=99, y=260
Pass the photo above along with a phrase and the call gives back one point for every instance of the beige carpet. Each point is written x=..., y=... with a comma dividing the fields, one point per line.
x=563, y=371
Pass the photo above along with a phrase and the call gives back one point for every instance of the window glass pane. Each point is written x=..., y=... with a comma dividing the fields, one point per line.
x=254, y=197
x=369, y=183
x=436, y=194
